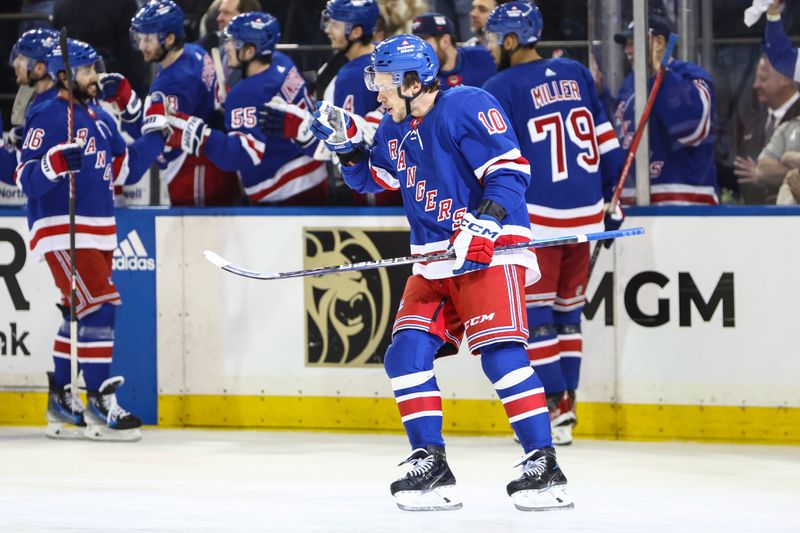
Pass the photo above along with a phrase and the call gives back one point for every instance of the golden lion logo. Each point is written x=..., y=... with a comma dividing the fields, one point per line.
x=347, y=314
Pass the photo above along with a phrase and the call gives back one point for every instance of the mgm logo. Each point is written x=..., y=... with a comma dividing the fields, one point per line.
x=349, y=316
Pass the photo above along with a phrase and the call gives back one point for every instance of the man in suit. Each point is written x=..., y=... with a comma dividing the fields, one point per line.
x=780, y=102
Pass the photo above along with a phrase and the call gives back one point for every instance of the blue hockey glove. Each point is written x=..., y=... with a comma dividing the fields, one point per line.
x=15, y=139
x=333, y=126
x=278, y=118
x=188, y=133
x=473, y=242
x=62, y=159
x=613, y=221
x=116, y=89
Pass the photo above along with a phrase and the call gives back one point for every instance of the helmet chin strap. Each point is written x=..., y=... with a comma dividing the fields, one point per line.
x=408, y=99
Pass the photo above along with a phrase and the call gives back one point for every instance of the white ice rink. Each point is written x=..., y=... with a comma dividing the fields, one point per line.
x=220, y=481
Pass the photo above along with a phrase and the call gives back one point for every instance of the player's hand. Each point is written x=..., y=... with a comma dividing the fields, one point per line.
x=333, y=126
x=774, y=8
x=15, y=137
x=155, y=115
x=188, y=133
x=746, y=170
x=62, y=159
x=278, y=118
x=613, y=221
x=116, y=88
x=793, y=181
x=473, y=242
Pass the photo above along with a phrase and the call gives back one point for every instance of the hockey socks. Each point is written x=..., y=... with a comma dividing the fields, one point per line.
x=409, y=365
x=570, y=347
x=95, y=347
x=544, y=351
x=506, y=365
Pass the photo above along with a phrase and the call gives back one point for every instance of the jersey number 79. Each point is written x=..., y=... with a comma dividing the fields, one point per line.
x=579, y=126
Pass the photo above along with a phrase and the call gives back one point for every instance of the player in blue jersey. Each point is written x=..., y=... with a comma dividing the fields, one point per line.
x=275, y=168
x=781, y=53
x=186, y=76
x=349, y=25
x=576, y=160
x=455, y=159
x=468, y=65
x=683, y=170
x=47, y=159
x=8, y=160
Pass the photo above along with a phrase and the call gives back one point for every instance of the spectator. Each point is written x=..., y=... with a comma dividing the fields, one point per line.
x=104, y=25
x=682, y=137
x=398, y=15
x=226, y=10
x=780, y=158
x=479, y=14
x=469, y=65
x=780, y=103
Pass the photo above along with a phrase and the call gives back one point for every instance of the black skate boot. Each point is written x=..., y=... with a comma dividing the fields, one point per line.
x=562, y=417
x=106, y=419
x=429, y=485
x=64, y=412
x=542, y=486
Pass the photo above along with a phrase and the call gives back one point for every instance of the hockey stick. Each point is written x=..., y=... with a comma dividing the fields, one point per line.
x=623, y=176
x=73, y=298
x=411, y=259
x=222, y=86
x=21, y=101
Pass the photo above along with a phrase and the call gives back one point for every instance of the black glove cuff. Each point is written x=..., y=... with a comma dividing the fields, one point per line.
x=491, y=208
x=350, y=159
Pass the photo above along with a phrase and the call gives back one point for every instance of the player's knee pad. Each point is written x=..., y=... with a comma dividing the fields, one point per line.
x=568, y=317
x=539, y=316
x=498, y=360
x=411, y=351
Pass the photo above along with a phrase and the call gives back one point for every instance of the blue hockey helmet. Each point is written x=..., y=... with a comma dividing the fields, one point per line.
x=34, y=45
x=81, y=54
x=159, y=17
x=262, y=30
x=398, y=55
x=520, y=18
x=352, y=13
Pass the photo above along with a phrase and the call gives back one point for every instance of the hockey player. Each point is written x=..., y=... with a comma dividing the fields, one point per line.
x=682, y=138
x=47, y=159
x=349, y=25
x=468, y=65
x=274, y=170
x=457, y=164
x=186, y=76
x=8, y=161
x=562, y=128
x=780, y=51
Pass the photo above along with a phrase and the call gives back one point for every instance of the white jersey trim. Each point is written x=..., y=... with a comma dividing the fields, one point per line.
x=704, y=127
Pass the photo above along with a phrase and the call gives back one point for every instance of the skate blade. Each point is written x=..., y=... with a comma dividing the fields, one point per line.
x=58, y=430
x=104, y=433
x=549, y=499
x=562, y=435
x=438, y=499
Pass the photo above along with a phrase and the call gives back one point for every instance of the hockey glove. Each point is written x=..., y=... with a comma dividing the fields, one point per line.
x=336, y=129
x=15, y=137
x=188, y=133
x=62, y=159
x=613, y=221
x=278, y=118
x=155, y=115
x=116, y=89
x=473, y=242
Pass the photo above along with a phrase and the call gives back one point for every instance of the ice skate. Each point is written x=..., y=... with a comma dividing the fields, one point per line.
x=429, y=485
x=105, y=419
x=562, y=417
x=542, y=486
x=64, y=412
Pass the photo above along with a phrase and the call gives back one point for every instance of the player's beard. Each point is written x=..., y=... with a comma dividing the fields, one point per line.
x=86, y=94
x=505, y=60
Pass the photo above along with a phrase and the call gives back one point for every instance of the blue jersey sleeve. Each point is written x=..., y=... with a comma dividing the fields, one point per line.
x=42, y=133
x=130, y=162
x=242, y=148
x=782, y=55
x=486, y=139
x=375, y=172
x=684, y=106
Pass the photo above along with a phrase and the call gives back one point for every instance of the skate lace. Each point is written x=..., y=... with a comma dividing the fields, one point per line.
x=535, y=467
x=115, y=412
x=421, y=466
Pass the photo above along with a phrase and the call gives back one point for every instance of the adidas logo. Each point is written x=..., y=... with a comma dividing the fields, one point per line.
x=131, y=254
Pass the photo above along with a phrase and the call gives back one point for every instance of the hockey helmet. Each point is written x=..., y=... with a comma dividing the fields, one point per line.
x=520, y=18
x=352, y=13
x=159, y=17
x=34, y=45
x=398, y=55
x=262, y=30
x=81, y=54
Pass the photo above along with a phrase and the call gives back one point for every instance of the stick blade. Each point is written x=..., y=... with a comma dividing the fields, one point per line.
x=226, y=265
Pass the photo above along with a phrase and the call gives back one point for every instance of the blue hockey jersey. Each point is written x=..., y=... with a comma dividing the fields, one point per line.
x=474, y=65
x=464, y=150
x=682, y=138
x=782, y=55
x=563, y=131
x=271, y=168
